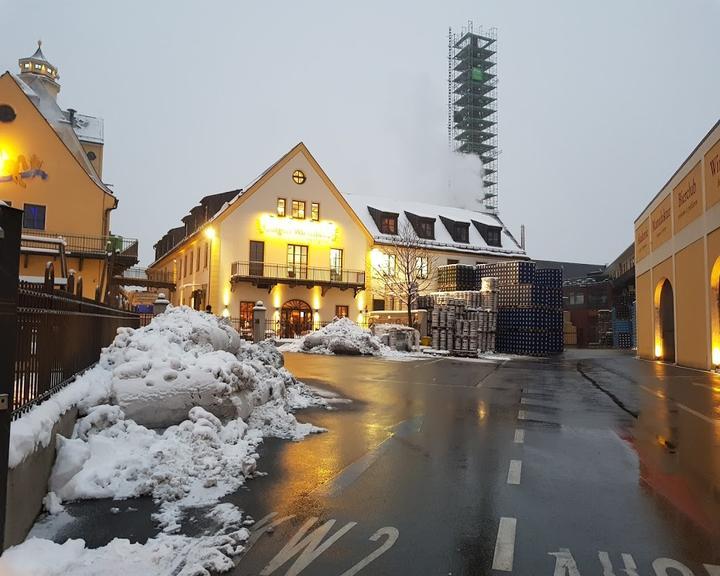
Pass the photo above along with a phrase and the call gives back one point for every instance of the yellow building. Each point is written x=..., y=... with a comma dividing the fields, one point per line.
x=292, y=240
x=51, y=167
x=677, y=263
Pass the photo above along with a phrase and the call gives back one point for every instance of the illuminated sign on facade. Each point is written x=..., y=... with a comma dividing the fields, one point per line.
x=18, y=169
x=301, y=230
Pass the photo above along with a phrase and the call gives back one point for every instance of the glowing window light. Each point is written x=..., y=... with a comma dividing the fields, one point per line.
x=306, y=230
x=716, y=356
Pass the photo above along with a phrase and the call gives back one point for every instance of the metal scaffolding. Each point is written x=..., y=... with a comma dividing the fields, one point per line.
x=472, y=102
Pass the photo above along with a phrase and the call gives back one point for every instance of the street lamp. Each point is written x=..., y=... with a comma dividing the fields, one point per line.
x=210, y=235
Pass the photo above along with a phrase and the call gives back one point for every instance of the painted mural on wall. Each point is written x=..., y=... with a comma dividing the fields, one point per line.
x=18, y=170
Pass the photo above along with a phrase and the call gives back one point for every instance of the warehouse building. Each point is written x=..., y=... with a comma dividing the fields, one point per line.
x=294, y=241
x=677, y=263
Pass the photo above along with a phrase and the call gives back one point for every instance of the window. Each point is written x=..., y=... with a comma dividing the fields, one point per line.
x=7, y=114
x=246, y=314
x=207, y=253
x=257, y=258
x=315, y=211
x=34, y=217
x=342, y=311
x=452, y=261
x=421, y=266
x=378, y=304
x=197, y=260
x=190, y=268
x=298, y=209
x=491, y=234
x=91, y=156
x=185, y=267
x=425, y=229
x=462, y=233
x=299, y=177
x=391, y=264
x=336, y=264
x=388, y=224
x=281, y=206
x=297, y=259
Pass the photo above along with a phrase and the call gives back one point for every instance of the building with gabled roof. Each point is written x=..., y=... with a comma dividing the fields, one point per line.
x=291, y=239
x=51, y=168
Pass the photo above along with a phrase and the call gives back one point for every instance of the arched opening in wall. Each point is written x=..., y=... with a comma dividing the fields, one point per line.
x=664, y=321
x=296, y=318
x=715, y=312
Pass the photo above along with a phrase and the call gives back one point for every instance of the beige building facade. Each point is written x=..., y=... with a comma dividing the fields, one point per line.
x=677, y=263
x=292, y=240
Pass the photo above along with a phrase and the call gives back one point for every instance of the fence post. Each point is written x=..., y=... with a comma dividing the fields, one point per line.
x=10, y=230
x=259, y=327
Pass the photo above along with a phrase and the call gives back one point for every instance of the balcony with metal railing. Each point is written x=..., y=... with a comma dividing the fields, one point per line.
x=147, y=277
x=267, y=275
x=86, y=245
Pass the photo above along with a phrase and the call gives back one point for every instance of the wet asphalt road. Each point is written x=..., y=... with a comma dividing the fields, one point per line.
x=527, y=467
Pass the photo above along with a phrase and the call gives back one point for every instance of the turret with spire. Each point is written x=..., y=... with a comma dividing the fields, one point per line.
x=37, y=65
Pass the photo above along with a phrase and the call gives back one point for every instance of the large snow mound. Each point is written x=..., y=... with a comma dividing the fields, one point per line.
x=341, y=336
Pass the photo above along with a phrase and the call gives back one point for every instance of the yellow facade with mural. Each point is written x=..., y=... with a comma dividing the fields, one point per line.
x=51, y=168
x=677, y=264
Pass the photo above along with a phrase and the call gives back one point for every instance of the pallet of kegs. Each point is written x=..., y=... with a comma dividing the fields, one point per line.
x=513, y=272
x=453, y=277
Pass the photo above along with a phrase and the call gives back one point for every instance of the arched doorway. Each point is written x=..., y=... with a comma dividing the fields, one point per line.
x=715, y=313
x=665, y=321
x=296, y=317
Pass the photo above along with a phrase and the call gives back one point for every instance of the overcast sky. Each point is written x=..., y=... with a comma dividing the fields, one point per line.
x=599, y=102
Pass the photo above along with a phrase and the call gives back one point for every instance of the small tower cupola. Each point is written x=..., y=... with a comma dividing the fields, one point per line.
x=38, y=65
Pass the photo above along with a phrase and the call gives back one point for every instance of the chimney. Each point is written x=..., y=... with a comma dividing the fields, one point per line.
x=522, y=236
x=71, y=116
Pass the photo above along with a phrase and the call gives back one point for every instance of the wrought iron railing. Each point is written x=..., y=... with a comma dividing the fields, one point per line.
x=95, y=245
x=58, y=335
x=289, y=273
x=148, y=274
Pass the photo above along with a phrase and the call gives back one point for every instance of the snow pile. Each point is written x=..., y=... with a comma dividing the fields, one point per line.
x=342, y=336
x=171, y=555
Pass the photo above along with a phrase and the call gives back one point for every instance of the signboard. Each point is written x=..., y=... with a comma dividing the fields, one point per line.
x=661, y=223
x=642, y=240
x=308, y=231
x=687, y=196
x=712, y=176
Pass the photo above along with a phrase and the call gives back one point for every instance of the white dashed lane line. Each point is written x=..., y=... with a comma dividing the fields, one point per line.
x=514, y=472
x=522, y=415
x=519, y=436
x=505, y=545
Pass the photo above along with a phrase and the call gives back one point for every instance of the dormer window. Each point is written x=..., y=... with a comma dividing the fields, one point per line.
x=460, y=231
x=424, y=227
x=491, y=234
x=388, y=224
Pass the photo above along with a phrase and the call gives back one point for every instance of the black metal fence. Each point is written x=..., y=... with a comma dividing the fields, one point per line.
x=84, y=244
x=58, y=335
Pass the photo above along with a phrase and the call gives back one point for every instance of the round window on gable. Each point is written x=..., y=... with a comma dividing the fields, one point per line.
x=299, y=177
x=7, y=114
x=91, y=156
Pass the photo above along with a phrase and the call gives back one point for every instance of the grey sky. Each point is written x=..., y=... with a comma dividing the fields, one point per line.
x=599, y=102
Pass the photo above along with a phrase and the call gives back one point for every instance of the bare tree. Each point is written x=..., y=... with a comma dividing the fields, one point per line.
x=405, y=269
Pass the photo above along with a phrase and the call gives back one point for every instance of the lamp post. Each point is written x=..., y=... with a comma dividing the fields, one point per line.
x=210, y=235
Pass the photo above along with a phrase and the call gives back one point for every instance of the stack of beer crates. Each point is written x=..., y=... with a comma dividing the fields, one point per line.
x=530, y=318
x=457, y=277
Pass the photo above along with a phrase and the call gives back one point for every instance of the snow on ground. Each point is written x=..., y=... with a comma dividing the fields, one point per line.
x=342, y=336
x=216, y=397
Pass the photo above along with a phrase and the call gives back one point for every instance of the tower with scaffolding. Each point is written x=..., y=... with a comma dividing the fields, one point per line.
x=472, y=103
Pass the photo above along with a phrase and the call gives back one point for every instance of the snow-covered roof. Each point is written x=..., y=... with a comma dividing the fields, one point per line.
x=443, y=240
x=89, y=128
x=45, y=101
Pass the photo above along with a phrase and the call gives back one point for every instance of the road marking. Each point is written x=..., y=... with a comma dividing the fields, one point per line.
x=682, y=406
x=514, y=472
x=522, y=415
x=353, y=471
x=712, y=570
x=662, y=565
x=713, y=387
x=519, y=436
x=505, y=545
x=525, y=401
